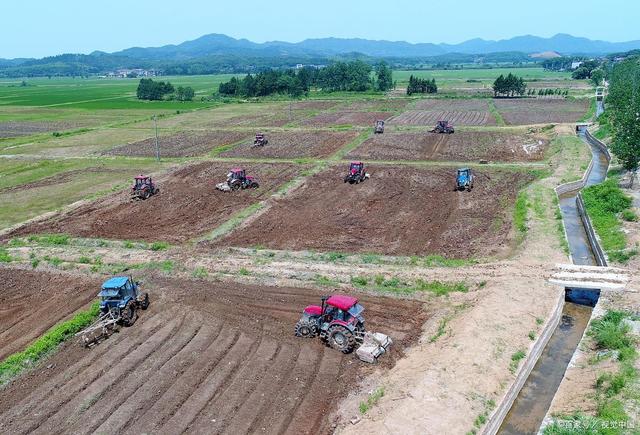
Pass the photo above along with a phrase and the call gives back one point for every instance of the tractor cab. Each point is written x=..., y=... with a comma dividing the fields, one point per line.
x=260, y=140
x=464, y=179
x=237, y=174
x=141, y=181
x=116, y=292
x=356, y=167
x=379, y=127
x=143, y=187
x=338, y=321
x=120, y=298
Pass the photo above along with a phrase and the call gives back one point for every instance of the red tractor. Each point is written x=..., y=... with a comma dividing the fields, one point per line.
x=356, y=174
x=143, y=188
x=237, y=179
x=443, y=127
x=260, y=140
x=338, y=322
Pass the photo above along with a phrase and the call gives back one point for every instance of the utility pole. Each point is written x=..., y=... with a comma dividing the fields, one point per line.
x=290, y=104
x=155, y=122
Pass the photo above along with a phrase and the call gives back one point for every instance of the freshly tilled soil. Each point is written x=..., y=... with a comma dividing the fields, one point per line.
x=32, y=302
x=294, y=144
x=184, y=144
x=539, y=111
x=206, y=357
x=188, y=205
x=346, y=118
x=398, y=211
x=459, y=146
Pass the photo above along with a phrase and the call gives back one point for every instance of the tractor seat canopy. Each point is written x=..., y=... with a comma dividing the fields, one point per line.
x=115, y=283
x=141, y=177
x=342, y=302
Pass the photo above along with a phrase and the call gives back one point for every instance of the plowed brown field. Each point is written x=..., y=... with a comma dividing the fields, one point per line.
x=346, y=118
x=399, y=211
x=180, y=145
x=460, y=146
x=188, y=205
x=31, y=302
x=538, y=111
x=294, y=144
x=208, y=358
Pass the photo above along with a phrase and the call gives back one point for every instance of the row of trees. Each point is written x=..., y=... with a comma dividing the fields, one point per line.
x=623, y=110
x=154, y=91
x=509, y=86
x=355, y=76
x=421, y=86
x=548, y=91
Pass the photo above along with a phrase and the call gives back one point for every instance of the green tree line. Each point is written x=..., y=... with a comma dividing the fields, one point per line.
x=623, y=110
x=421, y=86
x=355, y=76
x=153, y=91
x=509, y=86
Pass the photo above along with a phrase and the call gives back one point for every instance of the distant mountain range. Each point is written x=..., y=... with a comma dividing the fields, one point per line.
x=221, y=53
x=216, y=44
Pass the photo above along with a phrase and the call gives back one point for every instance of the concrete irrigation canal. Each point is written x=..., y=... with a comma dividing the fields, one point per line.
x=534, y=399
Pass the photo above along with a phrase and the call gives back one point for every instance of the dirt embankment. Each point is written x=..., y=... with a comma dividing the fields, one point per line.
x=32, y=302
x=188, y=205
x=205, y=358
x=399, y=211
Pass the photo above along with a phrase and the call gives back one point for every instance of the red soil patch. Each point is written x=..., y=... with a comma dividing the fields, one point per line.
x=206, y=357
x=188, y=205
x=460, y=146
x=184, y=144
x=399, y=211
x=294, y=144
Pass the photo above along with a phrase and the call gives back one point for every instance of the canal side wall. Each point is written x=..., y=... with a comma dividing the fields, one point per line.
x=497, y=417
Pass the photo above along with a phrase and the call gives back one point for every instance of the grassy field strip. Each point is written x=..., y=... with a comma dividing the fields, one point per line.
x=496, y=114
x=46, y=344
x=87, y=101
x=339, y=155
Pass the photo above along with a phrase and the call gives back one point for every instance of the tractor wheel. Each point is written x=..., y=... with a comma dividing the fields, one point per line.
x=305, y=328
x=129, y=314
x=147, y=194
x=235, y=186
x=340, y=338
x=144, y=303
x=254, y=185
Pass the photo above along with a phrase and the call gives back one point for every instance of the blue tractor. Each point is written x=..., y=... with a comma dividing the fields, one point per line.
x=464, y=179
x=120, y=299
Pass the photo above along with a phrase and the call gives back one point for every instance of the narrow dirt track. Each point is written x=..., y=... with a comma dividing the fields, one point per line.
x=31, y=302
x=205, y=358
x=398, y=211
x=188, y=205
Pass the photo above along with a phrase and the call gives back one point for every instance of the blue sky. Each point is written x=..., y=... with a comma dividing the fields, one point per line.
x=40, y=28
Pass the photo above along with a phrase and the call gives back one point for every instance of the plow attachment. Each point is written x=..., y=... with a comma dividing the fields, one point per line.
x=223, y=187
x=102, y=328
x=373, y=346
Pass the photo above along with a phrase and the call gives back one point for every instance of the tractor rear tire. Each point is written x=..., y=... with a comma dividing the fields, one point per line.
x=144, y=304
x=340, y=338
x=129, y=314
x=306, y=329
